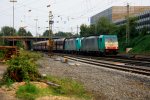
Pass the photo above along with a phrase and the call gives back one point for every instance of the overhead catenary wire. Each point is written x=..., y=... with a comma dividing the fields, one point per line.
x=88, y=9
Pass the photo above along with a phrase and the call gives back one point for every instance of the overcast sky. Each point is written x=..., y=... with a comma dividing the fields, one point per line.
x=67, y=13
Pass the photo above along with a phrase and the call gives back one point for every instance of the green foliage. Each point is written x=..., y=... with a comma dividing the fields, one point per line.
x=22, y=32
x=46, y=33
x=84, y=30
x=32, y=56
x=133, y=24
x=92, y=30
x=104, y=26
x=9, y=82
x=63, y=34
x=22, y=68
x=144, y=31
x=29, y=33
x=19, y=44
x=8, y=31
x=121, y=31
x=68, y=87
x=2, y=54
x=141, y=44
x=27, y=92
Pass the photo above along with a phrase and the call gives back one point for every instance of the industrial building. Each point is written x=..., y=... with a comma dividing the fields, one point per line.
x=115, y=13
x=142, y=19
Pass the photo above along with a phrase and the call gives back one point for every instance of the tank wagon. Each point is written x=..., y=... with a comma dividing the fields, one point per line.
x=103, y=44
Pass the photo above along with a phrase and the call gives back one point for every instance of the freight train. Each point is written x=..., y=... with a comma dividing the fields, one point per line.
x=103, y=44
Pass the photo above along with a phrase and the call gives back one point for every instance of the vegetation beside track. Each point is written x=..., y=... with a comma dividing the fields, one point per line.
x=22, y=68
x=2, y=54
x=139, y=45
x=68, y=88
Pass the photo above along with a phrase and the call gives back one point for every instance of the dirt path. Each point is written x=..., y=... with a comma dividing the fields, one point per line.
x=3, y=94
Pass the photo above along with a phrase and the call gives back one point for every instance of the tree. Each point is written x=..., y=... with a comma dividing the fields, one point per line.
x=121, y=31
x=104, y=26
x=133, y=24
x=92, y=30
x=29, y=33
x=64, y=34
x=8, y=31
x=84, y=30
x=22, y=32
x=46, y=33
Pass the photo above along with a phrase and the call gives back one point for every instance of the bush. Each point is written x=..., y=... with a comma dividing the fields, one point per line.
x=30, y=55
x=21, y=69
x=27, y=92
x=2, y=54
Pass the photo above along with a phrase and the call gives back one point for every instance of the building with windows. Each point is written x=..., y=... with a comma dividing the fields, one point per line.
x=116, y=13
x=142, y=19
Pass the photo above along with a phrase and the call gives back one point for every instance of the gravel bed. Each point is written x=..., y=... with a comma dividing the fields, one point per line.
x=105, y=84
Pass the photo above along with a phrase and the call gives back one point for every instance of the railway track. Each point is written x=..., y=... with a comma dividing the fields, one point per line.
x=126, y=61
x=128, y=65
x=132, y=62
x=112, y=65
x=131, y=57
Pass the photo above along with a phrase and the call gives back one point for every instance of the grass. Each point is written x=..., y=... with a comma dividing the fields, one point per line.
x=27, y=92
x=139, y=45
x=69, y=88
x=34, y=56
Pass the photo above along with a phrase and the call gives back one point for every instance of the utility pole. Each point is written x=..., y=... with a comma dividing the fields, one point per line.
x=13, y=1
x=36, y=27
x=77, y=29
x=71, y=30
x=127, y=26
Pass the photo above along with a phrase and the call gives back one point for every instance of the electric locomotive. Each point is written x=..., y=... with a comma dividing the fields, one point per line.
x=103, y=44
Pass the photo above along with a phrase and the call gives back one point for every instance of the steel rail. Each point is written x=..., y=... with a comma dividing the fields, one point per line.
x=132, y=69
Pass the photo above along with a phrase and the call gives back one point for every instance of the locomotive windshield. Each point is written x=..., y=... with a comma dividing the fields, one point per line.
x=111, y=39
x=111, y=42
